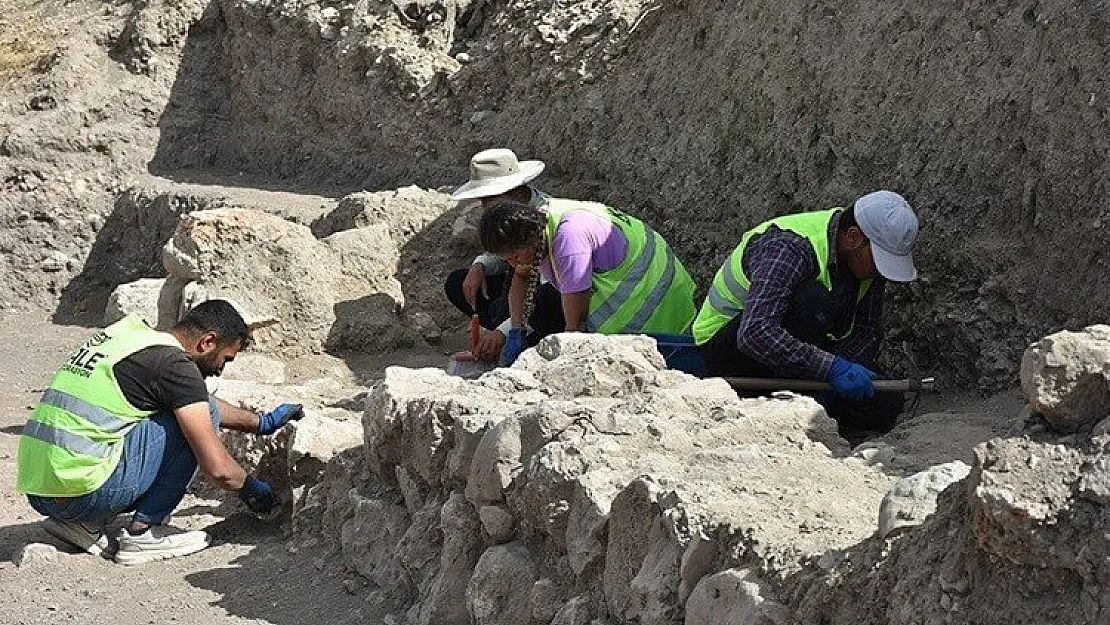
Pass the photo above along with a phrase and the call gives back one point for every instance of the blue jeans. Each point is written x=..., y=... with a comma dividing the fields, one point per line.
x=150, y=479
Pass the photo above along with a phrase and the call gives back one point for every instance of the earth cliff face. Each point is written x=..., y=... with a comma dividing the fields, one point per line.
x=704, y=119
x=707, y=119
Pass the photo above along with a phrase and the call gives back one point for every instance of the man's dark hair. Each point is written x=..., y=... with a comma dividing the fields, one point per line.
x=848, y=219
x=220, y=317
x=509, y=226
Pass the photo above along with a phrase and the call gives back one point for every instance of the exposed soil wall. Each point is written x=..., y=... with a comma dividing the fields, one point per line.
x=706, y=118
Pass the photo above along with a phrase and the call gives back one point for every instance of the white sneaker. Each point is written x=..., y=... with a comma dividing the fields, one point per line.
x=88, y=537
x=158, y=543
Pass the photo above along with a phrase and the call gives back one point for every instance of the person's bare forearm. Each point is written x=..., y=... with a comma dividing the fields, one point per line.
x=576, y=308
x=235, y=418
x=518, y=288
x=212, y=457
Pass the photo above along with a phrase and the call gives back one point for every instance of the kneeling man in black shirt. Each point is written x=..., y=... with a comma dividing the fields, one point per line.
x=124, y=426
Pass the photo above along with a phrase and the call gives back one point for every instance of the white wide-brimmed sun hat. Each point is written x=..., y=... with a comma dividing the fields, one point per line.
x=493, y=172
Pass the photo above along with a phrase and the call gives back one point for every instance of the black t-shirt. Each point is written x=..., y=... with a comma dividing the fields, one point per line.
x=161, y=378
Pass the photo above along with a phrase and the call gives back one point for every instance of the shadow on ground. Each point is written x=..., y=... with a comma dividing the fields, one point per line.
x=273, y=585
x=128, y=247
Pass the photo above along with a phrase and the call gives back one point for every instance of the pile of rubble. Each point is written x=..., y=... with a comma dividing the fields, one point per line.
x=313, y=274
x=589, y=484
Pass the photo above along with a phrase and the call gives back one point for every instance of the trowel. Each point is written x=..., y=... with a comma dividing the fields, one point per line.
x=466, y=364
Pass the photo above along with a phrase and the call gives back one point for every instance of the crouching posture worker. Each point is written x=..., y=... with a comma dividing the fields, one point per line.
x=124, y=425
x=614, y=273
x=802, y=296
x=497, y=176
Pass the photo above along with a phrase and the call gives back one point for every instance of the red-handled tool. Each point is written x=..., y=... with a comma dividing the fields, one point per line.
x=475, y=335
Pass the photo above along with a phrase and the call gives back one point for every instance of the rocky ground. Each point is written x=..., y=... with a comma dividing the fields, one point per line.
x=588, y=484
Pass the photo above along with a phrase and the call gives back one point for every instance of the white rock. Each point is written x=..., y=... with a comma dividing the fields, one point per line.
x=332, y=293
x=1066, y=377
x=733, y=596
x=36, y=554
x=254, y=367
x=914, y=498
x=874, y=453
x=315, y=441
x=140, y=297
x=495, y=462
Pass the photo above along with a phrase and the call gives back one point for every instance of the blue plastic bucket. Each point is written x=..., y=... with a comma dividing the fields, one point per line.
x=681, y=353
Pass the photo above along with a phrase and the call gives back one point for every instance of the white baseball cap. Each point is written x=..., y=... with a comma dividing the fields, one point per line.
x=887, y=219
x=496, y=171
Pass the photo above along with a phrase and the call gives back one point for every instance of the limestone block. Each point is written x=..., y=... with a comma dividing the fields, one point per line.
x=323, y=293
x=588, y=518
x=368, y=256
x=497, y=522
x=500, y=591
x=368, y=541
x=577, y=611
x=547, y=598
x=643, y=559
x=733, y=596
x=462, y=545
x=496, y=460
x=314, y=441
x=1066, y=377
x=409, y=416
x=914, y=498
x=255, y=367
x=580, y=364
x=1020, y=492
x=140, y=297
x=405, y=211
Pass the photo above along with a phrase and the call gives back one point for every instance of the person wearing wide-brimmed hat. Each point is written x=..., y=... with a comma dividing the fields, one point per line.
x=801, y=297
x=497, y=175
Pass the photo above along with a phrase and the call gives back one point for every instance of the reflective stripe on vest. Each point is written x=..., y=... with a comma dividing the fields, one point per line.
x=96, y=415
x=738, y=292
x=655, y=299
x=73, y=443
x=612, y=304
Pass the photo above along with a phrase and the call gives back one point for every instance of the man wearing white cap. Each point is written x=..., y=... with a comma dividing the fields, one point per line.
x=497, y=175
x=801, y=297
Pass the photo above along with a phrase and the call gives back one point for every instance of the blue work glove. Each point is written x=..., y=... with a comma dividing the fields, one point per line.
x=851, y=380
x=271, y=422
x=514, y=346
x=258, y=496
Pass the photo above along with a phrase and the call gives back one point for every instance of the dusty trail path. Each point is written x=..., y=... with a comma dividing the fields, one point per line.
x=248, y=576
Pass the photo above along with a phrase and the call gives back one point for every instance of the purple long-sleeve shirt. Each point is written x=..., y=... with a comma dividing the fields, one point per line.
x=777, y=263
